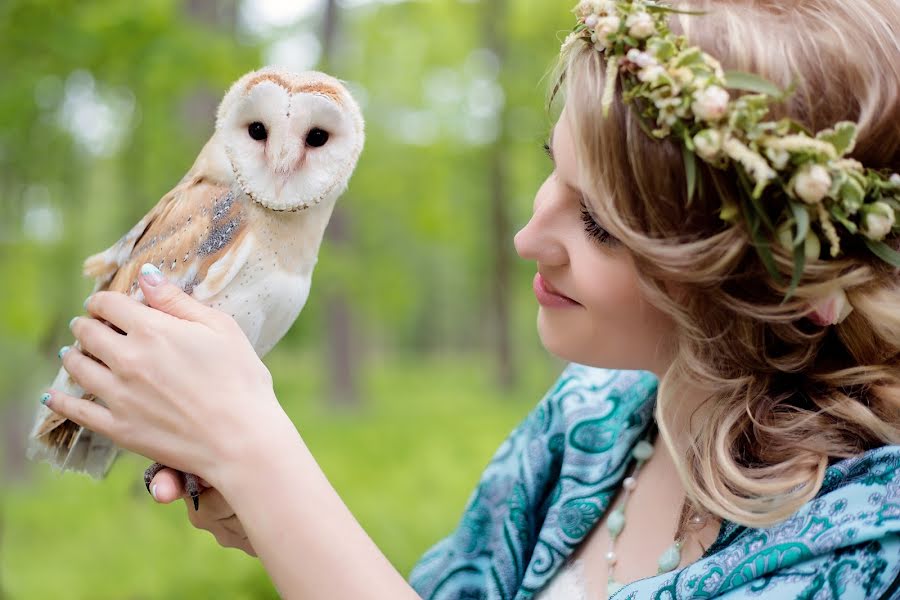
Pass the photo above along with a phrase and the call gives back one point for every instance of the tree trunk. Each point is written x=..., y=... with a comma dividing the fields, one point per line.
x=342, y=349
x=495, y=35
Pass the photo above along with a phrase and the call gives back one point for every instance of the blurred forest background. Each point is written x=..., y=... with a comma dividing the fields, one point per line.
x=416, y=353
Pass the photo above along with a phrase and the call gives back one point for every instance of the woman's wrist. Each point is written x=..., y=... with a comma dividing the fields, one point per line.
x=305, y=536
x=271, y=437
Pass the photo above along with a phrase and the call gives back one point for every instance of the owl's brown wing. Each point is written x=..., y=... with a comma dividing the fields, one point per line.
x=188, y=230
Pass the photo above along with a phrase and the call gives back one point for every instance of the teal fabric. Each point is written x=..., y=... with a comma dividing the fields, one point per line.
x=553, y=478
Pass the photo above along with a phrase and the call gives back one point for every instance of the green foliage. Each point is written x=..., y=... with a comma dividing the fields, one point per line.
x=416, y=265
x=417, y=261
x=405, y=467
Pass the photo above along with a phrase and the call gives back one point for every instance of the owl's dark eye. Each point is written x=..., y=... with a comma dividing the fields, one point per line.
x=316, y=137
x=257, y=131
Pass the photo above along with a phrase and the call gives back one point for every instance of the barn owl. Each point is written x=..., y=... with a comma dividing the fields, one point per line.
x=240, y=232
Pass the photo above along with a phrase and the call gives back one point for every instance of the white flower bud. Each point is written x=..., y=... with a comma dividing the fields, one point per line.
x=640, y=25
x=591, y=21
x=811, y=183
x=895, y=179
x=584, y=8
x=710, y=104
x=708, y=143
x=607, y=26
x=641, y=59
x=878, y=221
x=651, y=73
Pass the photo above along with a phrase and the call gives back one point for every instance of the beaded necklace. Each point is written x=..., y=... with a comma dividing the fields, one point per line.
x=615, y=522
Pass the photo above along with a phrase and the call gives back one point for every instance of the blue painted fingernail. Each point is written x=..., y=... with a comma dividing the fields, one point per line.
x=45, y=398
x=72, y=322
x=151, y=274
x=63, y=350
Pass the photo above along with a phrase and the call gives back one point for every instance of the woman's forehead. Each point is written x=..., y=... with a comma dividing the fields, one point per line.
x=563, y=150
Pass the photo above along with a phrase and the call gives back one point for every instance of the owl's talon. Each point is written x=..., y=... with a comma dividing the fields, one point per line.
x=192, y=486
x=150, y=473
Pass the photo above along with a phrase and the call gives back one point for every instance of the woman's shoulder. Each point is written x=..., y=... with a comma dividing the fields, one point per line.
x=844, y=543
x=875, y=467
x=552, y=479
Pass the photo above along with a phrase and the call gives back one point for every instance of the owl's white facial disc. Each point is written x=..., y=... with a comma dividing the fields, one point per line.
x=290, y=149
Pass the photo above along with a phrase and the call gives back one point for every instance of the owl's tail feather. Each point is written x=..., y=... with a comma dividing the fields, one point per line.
x=65, y=444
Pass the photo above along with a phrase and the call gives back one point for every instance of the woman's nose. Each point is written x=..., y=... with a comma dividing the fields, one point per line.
x=540, y=239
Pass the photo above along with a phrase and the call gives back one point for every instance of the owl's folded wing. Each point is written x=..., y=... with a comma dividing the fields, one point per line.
x=198, y=235
x=193, y=232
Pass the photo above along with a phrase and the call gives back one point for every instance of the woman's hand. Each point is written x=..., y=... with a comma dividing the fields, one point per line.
x=215, y=514
x=182, y=384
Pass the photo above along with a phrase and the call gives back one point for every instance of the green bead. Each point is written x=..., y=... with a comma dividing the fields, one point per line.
x=612, y=587
x=615, y=522
x=669, y=559
x=642, y=450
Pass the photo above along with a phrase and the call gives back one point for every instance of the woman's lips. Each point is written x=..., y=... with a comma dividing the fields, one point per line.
x=547, y=296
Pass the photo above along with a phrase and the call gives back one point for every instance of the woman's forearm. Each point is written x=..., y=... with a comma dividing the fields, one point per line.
x=307, y=539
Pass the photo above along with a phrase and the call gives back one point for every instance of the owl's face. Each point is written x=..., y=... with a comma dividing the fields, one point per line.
x=293, y=140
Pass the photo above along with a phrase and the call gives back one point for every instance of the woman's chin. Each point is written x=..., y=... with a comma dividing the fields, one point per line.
x=572, y=342
x=559, y=339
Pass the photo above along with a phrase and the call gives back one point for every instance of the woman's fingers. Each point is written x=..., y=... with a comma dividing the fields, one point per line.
x=98, y=339
x=118, y=309
x=86, y=413
x=89, y=374
x=166, y=486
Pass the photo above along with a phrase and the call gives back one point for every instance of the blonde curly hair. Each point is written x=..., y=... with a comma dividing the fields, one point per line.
x=790, y=395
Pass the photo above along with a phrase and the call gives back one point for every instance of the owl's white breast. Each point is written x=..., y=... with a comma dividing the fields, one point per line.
x=270, y=276
x=265, y=303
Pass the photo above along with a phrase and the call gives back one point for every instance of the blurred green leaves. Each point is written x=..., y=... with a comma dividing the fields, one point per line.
x=103, y=108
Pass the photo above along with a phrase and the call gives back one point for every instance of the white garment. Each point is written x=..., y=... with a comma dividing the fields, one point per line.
x=566, y=584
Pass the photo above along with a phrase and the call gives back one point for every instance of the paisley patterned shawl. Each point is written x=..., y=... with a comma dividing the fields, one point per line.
x=553, y=478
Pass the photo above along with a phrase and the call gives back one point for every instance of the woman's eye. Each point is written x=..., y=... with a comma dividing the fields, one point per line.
x=257, y=131
x=593, y=229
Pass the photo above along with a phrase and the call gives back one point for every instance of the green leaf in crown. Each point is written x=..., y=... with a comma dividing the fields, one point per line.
x=684, y=92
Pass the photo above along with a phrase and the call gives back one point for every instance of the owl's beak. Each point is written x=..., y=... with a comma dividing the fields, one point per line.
x=289, y=159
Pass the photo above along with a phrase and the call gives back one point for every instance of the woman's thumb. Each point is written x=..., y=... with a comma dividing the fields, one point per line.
x=166, y=486
x=162, y=295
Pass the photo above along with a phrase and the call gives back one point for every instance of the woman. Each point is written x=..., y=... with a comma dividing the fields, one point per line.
x=770, y=366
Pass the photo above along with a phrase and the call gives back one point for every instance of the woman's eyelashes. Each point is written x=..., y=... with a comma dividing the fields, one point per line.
x=592, y=228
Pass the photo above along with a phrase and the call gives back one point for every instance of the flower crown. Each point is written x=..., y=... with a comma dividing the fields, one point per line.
x=684, y=95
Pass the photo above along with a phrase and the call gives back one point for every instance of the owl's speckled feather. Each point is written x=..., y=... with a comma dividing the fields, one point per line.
x=240, y=232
